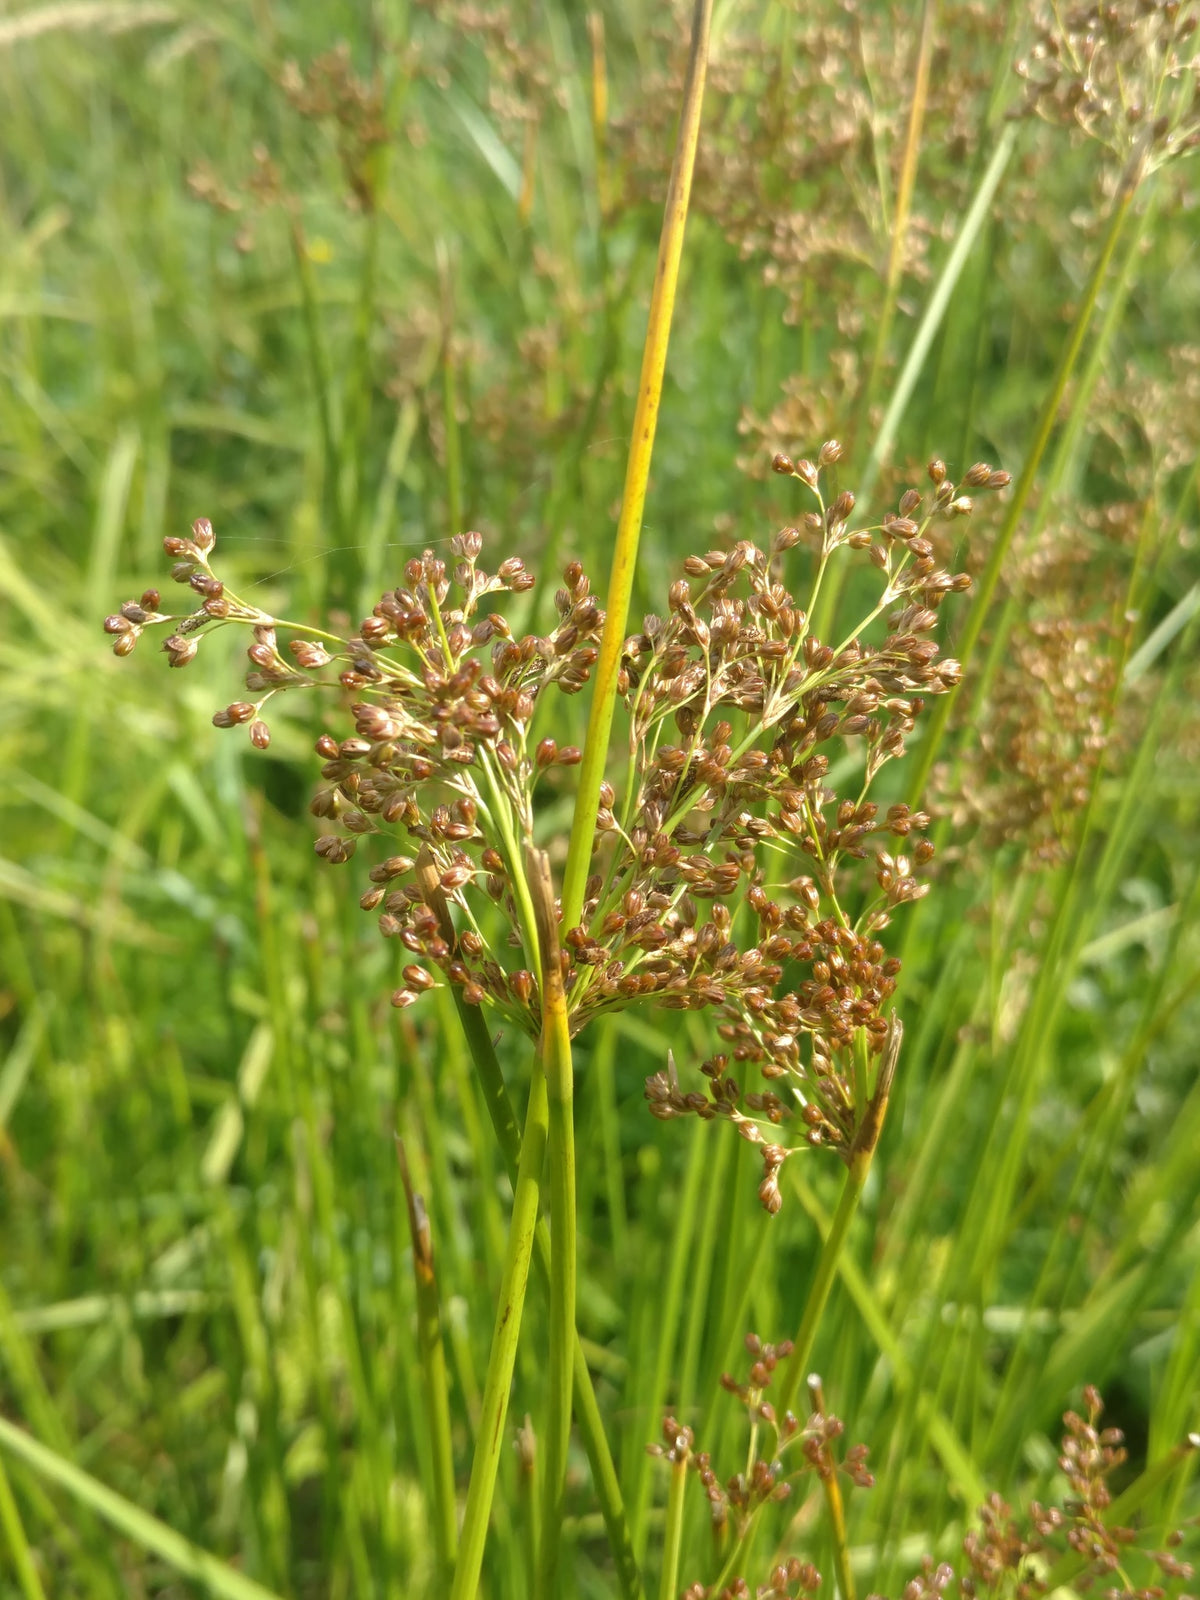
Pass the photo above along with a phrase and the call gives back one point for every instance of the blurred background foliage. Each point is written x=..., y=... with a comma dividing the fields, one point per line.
x=346, y=279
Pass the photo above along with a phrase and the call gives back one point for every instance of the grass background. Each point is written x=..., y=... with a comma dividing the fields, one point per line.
x=206, y=1295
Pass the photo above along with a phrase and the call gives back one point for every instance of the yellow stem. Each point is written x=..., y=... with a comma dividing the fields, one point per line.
x=637, y=472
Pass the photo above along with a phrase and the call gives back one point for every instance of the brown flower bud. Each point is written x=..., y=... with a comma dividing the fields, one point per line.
x=180, y=650
x=467, y=546
x=334, y=849
x=901, y=527
x=260, y=735
x=204, y=583
x=783, y=464
x=521, y=984
x=830, y=452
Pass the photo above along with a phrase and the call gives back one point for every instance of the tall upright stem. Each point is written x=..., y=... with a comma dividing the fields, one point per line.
x=433, y=1371
x=904, y=194
x=557, y=1066
x=587, y=1410
x=637, y=472
x=1024, y=489
x=858, y=1166
x=490, y=1436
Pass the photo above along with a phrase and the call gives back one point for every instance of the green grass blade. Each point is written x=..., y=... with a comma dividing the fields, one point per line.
x=186, y=1558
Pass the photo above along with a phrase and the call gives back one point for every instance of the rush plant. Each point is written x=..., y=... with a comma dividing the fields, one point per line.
x=659, y=796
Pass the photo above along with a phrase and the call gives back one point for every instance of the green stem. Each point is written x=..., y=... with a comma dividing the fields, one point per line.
x=827, y=1471
x=433, y=1370
x=558, y=1068
x=678, y=1276
x=1024, y=489
x=736, y=1556
x=146, y=1531
x=1068, y=1566
x=935, y=311
x=904, y=193
x=528, y=1502
x=322, y=380
x=668, y=1586
x=18, y=1544
x=858, y=1165
x=454, y=494
x=637, y=473
x=918, y=351
x=587, y=1409
x=841, y=1545
x=490, y=1436
x=818, y=1294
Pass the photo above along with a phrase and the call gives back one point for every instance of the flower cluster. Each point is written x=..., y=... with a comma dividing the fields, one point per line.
x=787, y=1580
x=781, y=168
x=1125, y=73
x=329, y=91
x=1005, y=1554
x=757, y=708
x=767, y=1480
x=1009, y=1555
x=1041, y=751
x=737, y=712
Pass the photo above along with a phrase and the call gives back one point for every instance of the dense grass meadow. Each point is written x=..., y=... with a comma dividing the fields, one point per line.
x=352, y=280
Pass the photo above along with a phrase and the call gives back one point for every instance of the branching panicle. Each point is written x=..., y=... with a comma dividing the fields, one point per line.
x=770, y=1476
x=736, y=714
